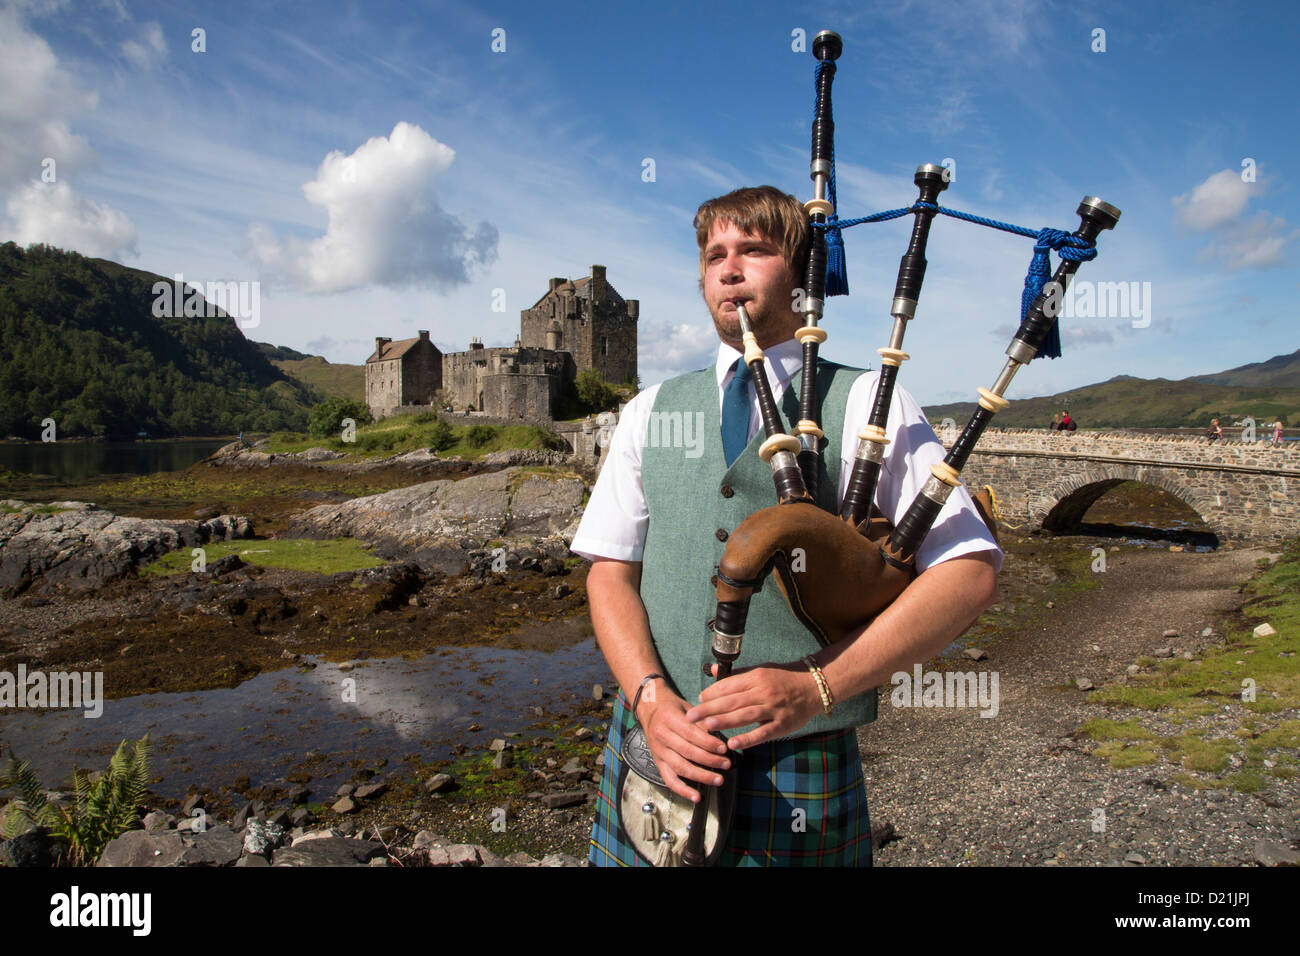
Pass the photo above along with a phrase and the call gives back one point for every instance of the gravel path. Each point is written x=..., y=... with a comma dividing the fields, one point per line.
x=1018, y=789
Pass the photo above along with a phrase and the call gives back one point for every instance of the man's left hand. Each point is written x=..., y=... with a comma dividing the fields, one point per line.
x=780, y=698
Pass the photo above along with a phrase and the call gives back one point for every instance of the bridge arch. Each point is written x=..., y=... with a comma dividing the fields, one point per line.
x=1066, y=501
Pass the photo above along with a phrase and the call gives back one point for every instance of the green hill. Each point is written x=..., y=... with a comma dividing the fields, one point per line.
x=1264, y=390
x=334, y=381
x=79, y=343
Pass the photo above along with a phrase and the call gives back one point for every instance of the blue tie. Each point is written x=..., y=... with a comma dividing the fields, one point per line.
x=735, y=413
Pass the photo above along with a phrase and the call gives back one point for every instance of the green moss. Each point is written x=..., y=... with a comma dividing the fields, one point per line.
x=294, y=554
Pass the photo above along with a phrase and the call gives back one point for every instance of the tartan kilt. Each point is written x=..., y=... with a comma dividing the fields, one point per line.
x=820, y=774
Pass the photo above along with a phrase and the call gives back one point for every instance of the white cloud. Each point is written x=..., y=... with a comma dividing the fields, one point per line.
x=664, y=350
x=37, y=99
x=1214, y=203
x=1255, y=244
x=148, y=51
x=54, y=214
x=386, y=225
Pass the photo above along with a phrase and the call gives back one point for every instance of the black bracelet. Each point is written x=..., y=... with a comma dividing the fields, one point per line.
x=637, y=699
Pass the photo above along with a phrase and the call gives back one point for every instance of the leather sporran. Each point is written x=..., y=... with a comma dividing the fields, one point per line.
x=655, y=820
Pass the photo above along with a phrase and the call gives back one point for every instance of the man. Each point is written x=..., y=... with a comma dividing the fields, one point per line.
x=654, y=542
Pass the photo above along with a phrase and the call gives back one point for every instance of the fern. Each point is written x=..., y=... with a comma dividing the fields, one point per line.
x=103, y=810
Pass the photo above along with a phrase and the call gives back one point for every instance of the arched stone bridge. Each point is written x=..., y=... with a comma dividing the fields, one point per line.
x=1244, y=492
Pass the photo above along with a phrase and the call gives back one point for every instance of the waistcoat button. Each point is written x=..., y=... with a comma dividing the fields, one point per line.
x=721, y=534
x=728, y=491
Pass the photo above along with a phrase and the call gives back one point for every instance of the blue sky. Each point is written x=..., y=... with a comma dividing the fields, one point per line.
x=379, y=168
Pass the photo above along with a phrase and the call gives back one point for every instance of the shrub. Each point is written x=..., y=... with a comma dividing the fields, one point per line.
x=326, y=419
x=441, y=436
x=103, y=811
x=479, y=435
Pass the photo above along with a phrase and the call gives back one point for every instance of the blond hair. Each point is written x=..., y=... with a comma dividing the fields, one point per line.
x=762, y=211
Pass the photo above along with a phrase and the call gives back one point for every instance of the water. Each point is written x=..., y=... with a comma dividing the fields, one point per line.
x=267, y=725
x=82, y=460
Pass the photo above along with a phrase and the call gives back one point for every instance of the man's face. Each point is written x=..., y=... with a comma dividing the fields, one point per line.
x=749, y=269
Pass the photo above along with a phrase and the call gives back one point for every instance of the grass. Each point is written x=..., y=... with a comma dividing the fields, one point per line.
x=1252, y=682
x=406, y=433
x=291, y=554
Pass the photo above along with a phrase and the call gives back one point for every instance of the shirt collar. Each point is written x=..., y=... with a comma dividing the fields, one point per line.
x=784, y=362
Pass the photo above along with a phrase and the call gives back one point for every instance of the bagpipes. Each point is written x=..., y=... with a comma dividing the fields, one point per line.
x=872, y=561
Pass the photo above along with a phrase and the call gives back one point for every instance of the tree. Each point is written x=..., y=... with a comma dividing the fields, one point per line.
x=594, y=392
x=326, y=419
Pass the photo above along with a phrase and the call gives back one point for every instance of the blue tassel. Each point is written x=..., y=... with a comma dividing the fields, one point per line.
x=837, y=277
x=1040, y=270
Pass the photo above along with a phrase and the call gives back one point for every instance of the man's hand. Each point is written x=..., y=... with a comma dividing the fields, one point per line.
x=682, y=749
x=780, y=698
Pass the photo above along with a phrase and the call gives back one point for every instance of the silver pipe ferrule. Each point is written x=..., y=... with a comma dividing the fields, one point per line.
x=903, y=308
x=726, y=644
x=1004, y=378
x=936, y=490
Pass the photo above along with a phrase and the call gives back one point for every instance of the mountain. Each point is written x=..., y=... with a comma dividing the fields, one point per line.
x=1264, y=390
x=1281, y=370
x=79, y=343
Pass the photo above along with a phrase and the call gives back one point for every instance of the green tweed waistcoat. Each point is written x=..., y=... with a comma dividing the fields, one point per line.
x=693, y=497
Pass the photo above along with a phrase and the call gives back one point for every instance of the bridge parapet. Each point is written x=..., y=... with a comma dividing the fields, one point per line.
x=1171, y=448
x=1244, y=492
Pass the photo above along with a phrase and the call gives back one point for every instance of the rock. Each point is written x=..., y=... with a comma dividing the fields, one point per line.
x=298, y=794
x=84, y=548
x=141, y=848
x=32, y=848
x=597, y=692
x=345, y=805
x=1170, y=633
x=1275, y=853
x=317, y=835
x=1188, y=655
x=423, y=839
x=1083, y=684
x=562, y=590
x=882, y=831
x=156, y=820
x=282, y=819
x=1163, y=652
x=346, y=790
x=975, y=653
x=570, y=798
x=301, y=817
x=1208, y=632
x=438, y=856
x=498, y=744
x=520, y=858
x=440, y=783
x=216, y=846
x=560, y=859
x=1051, y=604
x=584, y=733
x=503, y=760
x=252, y=860
x=192, y=803
x=241, y=818
x=1135, y=858
x=463, y=854
x=370, y=791
x=263, y=837
x=329, y=851
x=1264, y=630
x=1132, y=670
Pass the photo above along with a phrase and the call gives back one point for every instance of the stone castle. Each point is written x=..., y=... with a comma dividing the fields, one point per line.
x=574, y=326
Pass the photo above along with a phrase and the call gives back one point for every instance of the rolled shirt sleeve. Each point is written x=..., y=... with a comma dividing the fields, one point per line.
x=616, y=517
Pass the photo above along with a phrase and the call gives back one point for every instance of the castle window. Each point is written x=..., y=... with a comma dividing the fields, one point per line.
x=604, y=345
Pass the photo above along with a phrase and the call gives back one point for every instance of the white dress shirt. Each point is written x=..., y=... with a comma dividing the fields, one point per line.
x=615, y=520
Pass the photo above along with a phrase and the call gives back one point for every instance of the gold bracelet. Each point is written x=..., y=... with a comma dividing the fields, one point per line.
x=823, y=688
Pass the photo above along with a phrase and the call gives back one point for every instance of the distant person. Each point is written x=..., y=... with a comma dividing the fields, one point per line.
x=1277, y=432
x=1067, y=423
x=1215, y=433
x=1056, y=422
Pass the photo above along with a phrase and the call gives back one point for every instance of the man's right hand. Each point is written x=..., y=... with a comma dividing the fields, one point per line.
x=683, y=750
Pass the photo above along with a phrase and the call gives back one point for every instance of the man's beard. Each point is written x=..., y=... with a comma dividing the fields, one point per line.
x=767, y=323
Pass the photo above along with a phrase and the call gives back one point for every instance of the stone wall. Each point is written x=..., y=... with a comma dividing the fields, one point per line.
x=1243, y=492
